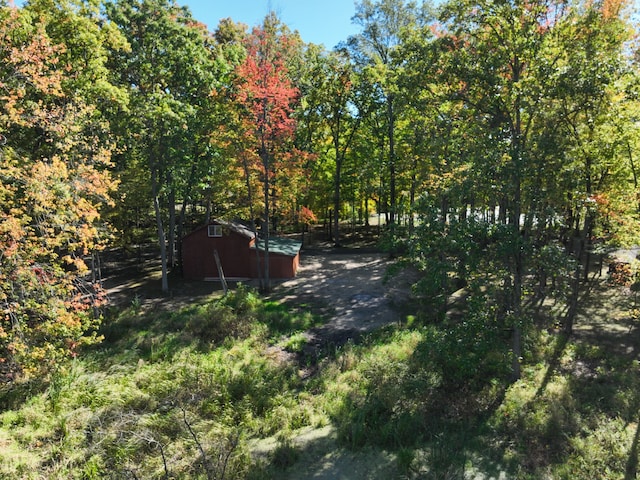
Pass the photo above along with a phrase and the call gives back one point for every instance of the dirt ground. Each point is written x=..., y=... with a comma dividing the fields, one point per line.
x=346, y=286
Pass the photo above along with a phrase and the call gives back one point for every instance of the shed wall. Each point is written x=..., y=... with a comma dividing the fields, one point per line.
x=237, y=257
x=198, y=261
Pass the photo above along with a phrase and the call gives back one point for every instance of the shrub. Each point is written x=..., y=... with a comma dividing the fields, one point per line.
x=233, y=316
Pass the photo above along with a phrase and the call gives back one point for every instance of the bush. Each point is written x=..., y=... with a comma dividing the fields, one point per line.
x=233, y=316
x=467, y=354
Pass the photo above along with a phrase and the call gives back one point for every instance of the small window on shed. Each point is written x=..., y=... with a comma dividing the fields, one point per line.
x=215, y=230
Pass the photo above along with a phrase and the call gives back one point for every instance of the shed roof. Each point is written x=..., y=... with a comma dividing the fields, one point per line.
x=282, y=246
x=236, y=227
x=232, y=226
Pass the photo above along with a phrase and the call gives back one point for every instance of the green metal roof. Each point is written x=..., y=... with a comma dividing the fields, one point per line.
x=282, y=246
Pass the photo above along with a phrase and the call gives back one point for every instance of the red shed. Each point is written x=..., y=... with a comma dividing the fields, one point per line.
x=236, y=246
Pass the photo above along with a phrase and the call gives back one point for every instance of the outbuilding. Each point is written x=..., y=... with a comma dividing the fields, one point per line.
x=236, y=247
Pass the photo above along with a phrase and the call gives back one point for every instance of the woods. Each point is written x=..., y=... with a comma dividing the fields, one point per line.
x=513, y=118
x=494, y=144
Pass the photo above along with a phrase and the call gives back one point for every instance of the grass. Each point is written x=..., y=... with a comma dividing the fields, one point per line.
x=184, y=393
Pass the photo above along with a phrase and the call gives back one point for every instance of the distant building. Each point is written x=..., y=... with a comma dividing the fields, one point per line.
x=236, y=246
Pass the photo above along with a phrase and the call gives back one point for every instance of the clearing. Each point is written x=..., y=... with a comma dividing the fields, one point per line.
x=345, y=285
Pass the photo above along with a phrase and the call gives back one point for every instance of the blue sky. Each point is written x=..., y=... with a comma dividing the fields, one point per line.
x=318, y=21
x=326, y=22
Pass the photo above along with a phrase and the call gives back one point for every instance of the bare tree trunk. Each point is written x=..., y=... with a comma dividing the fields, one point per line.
x=207, y=215
x=171, y=261
x=183, y=213
x=265, y=161
x=162, y=243
x=517, y=288
x=518, y=260
x=392, y=161
x=444, y=209
x=412, y=192
x=633, y=171
x=253, y=219
x=336, y=201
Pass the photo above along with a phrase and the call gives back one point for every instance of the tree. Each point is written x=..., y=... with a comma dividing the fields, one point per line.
x=80, y=26
x=518, y=98
x=169, y=74
x=383, y=22
x=335, y=99
x=268, y=96
x=55, y=181
x=589, y=102
x=500, y=62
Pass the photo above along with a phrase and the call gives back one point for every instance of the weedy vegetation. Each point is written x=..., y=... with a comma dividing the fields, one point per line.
x=186, y=393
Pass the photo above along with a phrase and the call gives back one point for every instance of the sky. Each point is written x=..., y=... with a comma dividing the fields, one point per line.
x=326, y=22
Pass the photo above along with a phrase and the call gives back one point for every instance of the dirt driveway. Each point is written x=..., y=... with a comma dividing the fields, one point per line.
x=348, y=287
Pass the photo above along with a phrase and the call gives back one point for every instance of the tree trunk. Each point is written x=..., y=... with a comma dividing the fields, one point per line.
x=412, y=192
x=207, y=215
x=444, y=209
x=162, y=243
x=172, y=223
x=633, y=171
x=265, y=161
x=502, y=212
x=183, y=212
x=392, y=161
x=518, y=260
x=336, y=200
x=253, y=219
x=572, y=308
x=518, y=268
x=516, y=371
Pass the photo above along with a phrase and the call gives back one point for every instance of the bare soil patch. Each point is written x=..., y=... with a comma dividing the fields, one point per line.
x=137, y=276
x=348, y=287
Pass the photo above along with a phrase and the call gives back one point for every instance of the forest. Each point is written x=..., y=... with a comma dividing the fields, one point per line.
x=488, y=147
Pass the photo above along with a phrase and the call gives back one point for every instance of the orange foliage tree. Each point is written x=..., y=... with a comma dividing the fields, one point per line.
x=53, y=181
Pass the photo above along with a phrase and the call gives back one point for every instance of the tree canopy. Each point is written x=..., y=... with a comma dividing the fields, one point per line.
x=493, y=136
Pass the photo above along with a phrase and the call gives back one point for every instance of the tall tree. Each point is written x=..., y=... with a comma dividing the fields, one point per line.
x=382, y=23
x=499, y=63
x=169, y=73
x=268, y=95
x=505, y=63
x=588, y=98
x=335, y=97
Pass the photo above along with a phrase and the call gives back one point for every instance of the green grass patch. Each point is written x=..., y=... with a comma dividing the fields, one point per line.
x=181, y=394
x=193, y=385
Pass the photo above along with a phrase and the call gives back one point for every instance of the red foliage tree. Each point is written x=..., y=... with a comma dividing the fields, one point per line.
x=267, y=97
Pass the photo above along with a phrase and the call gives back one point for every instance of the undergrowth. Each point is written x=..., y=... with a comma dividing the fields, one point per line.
x=182, y=394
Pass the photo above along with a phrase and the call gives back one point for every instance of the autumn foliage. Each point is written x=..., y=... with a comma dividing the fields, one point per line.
x=266, y=97
x=507, y=112
x=265, y=88
x=53, y=182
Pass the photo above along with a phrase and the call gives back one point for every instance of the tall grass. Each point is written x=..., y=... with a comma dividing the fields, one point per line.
x=168, y=394
x=181, y=394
